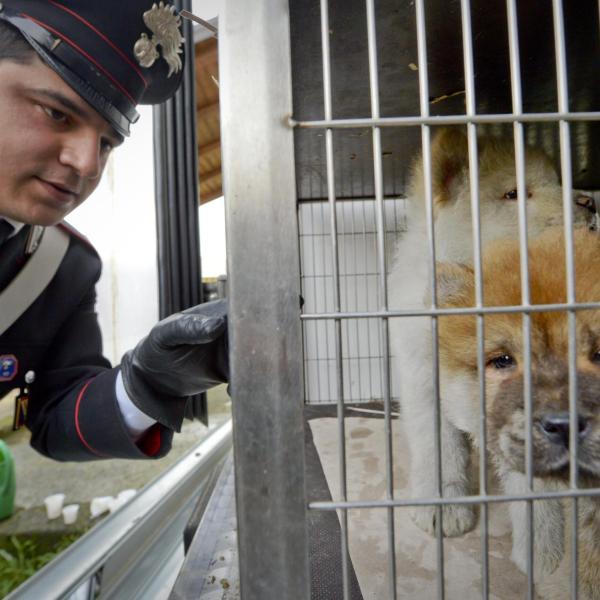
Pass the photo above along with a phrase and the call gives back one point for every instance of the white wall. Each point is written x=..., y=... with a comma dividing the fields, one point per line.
x=205, y=9
x=212, y=238
x=119, y=220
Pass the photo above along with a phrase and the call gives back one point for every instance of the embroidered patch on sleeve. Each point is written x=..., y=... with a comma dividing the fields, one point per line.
x=9, y=367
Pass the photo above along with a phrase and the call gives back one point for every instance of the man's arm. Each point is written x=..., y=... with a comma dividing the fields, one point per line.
x=74, y=413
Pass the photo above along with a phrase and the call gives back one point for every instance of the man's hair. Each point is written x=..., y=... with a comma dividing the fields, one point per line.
x=13, y=46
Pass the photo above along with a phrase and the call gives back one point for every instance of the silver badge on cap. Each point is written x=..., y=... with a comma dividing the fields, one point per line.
x=164, y=24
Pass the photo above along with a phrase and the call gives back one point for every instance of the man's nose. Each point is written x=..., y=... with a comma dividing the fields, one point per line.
x=82, y=153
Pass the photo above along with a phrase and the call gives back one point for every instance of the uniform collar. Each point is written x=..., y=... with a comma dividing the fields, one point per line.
x=17, y=226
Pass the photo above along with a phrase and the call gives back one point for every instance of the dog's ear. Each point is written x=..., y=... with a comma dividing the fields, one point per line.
x=455, y=284
x=449, y=158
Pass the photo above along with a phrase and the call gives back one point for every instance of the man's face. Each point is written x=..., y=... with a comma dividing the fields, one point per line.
x=53, y=145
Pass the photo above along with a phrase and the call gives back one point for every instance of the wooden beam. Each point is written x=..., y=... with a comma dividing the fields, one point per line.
x=207, y=110
x=207, y=50
x=208, y=196
x=209, y=175
x=209, y=147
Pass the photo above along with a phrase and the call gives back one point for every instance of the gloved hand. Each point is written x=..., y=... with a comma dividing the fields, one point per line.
x=184, y=354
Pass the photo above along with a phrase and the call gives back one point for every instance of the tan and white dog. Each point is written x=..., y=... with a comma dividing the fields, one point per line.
x=409, y=284
x=504, y=385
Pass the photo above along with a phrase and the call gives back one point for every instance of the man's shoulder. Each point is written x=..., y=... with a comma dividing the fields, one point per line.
x=82, y=261
x=78, y=237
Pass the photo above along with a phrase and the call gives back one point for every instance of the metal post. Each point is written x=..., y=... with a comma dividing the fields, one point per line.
x=264, y=299
x=176, y=183
x=176, y=168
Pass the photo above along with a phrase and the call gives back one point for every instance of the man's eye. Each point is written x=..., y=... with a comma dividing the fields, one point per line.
x=55, y=115
x=504, y=361
x=106, y=146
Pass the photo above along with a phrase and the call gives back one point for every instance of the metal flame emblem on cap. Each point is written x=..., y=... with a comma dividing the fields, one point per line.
x=164, y=24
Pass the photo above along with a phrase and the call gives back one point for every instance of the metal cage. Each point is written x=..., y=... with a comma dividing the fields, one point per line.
x=324, y=106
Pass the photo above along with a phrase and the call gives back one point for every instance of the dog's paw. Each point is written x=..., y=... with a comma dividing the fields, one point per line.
x=548, y=538
x=546, y=557
x=543, y=563
x=456, y=519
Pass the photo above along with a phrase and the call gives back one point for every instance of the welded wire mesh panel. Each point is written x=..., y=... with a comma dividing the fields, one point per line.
x=362, y=351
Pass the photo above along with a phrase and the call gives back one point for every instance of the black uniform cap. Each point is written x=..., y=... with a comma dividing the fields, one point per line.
x=114, y=54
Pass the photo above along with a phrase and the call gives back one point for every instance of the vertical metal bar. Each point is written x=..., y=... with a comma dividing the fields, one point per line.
x=327, y=307
x=355, y=275
x=470, y=107
x=366, y=262
x=163, y=214
x=266, y=365
x=316, y=326
x=567, y=187
x=383, y=295
x=343, y=514
x=426, y=150
x=517, y=106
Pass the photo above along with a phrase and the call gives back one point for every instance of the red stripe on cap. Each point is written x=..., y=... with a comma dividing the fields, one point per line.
x=107, y=40
x=81, y=51
x=77, y=428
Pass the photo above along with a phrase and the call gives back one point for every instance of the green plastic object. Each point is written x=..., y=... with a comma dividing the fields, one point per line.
x=7, y=482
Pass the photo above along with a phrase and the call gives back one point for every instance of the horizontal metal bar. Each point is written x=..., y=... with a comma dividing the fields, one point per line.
x=484, y=310
x=83, y=558
x=192, y=17
x=551, y=117
x=481, y=499
x=350, y=199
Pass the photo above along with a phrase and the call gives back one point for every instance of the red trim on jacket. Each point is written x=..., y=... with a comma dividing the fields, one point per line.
x=77, y=428
x=150, y=442
x=71, y=231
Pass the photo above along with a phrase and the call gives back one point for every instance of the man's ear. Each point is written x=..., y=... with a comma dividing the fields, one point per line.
x=449, y=158
x=455, y=284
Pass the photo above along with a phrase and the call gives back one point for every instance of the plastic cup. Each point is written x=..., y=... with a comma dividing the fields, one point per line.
x=54, y=504
x=100, y=505
x=69, y=513
x=126, y=495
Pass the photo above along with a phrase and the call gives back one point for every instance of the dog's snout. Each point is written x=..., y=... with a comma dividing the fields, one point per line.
x=555, y=426
x=585, y=202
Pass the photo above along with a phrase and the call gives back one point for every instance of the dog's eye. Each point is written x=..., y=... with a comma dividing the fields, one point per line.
x=596, y=357
x=504, y=361
x=513, y=195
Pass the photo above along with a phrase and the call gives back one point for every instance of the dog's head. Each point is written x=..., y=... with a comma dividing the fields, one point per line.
x=505, y=357
x=498, y=197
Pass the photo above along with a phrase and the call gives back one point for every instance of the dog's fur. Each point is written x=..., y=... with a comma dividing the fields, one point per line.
x=504, y=380
x=409, y=287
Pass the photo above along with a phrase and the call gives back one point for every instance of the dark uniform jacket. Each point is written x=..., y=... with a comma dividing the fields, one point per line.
x=73, y=412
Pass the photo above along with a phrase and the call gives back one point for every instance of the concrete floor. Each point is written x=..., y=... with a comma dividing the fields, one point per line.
x=38, y=476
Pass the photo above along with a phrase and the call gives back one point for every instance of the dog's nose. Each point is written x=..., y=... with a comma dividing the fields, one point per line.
x=555, y=426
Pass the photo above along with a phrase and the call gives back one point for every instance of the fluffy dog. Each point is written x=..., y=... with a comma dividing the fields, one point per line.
x=409, y=283
x=504, y=380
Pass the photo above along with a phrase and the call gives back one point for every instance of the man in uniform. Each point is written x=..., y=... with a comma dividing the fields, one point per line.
x=71, y=75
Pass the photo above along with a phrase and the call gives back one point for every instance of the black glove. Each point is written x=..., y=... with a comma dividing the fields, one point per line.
x=184, y=354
